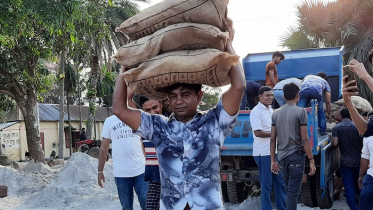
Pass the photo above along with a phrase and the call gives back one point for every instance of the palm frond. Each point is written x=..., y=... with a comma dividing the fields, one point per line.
x=295, y=39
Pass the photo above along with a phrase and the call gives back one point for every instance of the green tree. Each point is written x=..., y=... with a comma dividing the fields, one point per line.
x=105, y=88
x=336, y=23
x=210, y=98
x=29, y=31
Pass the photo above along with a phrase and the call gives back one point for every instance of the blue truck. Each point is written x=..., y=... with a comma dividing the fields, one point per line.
x=239, y=172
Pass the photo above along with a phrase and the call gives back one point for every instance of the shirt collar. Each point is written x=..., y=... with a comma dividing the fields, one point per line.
x=262, y=106
x=198, y=114
x=346, y=120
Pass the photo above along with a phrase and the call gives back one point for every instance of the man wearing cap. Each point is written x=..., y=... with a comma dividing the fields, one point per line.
x=315, y=87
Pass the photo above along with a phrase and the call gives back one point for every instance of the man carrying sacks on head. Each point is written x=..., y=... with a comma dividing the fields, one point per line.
x=189, y=141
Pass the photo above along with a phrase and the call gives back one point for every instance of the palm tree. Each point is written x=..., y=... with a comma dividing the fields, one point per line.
x=337, y=23
x=105, y=88
x=103, y=39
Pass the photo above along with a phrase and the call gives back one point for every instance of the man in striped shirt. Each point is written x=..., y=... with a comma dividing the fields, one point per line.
x=151, y=165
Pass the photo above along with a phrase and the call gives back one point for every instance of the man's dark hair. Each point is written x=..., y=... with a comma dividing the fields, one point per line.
x=83, y=129
x=142, y=100
x=322, y=75
x=264, y=89
x=291, y=91
x=345, y=113
x=364, y=114
x=370, y=56
x=278, y=54
x=195, y=87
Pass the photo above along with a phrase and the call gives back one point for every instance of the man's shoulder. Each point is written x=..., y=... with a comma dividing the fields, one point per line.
x=255, y=109
x=111, y=119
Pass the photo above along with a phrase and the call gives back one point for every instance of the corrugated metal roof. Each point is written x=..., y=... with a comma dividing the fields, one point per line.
x=5, y=125
x=51, y=112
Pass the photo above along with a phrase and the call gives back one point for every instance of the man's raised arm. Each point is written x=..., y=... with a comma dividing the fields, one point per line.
x=232, y=98
x=131, y=117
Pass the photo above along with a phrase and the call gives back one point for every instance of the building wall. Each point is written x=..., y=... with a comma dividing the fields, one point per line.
x=15, y=140
x=10, y=142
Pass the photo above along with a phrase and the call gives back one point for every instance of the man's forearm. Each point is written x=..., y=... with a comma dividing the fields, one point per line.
x=120, y=95
x=236, y=73
x=369, y=81
x=273, y=81
x=358, y=120
x=307, y=148
x=364, y=164
x=328, y=108
x=102, y=158
x=273, y=149
x=262, y=134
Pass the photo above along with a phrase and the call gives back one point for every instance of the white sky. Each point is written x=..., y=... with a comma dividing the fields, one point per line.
x=258, y=24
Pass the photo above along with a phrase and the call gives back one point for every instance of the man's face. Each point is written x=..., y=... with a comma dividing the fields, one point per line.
x=266, y=98
x=152, y=107
x=277, y=60
x=184, y=103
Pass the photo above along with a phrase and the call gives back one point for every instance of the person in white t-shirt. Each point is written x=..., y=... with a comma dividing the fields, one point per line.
x=128, y=161
x=261, y=123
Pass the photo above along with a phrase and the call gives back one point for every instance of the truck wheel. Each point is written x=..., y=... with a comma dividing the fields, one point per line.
x=237, y=191
x=93, y=152
x=326, y=202
x=224, y=192
x=308, y=193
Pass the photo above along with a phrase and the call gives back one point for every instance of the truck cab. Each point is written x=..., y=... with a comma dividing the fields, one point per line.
x=239, y=172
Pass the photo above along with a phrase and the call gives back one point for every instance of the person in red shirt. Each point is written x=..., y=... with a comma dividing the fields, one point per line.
x=271, y=70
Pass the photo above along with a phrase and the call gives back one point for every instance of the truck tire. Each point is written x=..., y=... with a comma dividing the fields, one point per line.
x=237, y=191
x=224, y=192
x=308, y=194
x=326, y=202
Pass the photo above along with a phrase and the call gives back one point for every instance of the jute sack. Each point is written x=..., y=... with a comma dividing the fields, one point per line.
x=206, y=66
x=360, y=103
x=183, y=36
x=169, y=12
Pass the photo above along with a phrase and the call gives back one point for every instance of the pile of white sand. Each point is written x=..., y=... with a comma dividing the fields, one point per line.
x=37, y=167
x=75, y=187
x=19, y=182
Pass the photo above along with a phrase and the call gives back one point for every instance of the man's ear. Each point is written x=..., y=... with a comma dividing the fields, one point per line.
x=199, y=96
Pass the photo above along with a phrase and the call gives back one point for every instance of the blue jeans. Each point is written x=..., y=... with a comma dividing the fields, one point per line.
x=125, y=187
x=366, y=195
x=350, y=175
x=304, y=99
x=292, y=168
x=266, y=179
x=279, y=96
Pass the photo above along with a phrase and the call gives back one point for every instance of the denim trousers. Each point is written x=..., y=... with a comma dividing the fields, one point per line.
x=267, y=179
x=279, y=96
x=366, y=195
x=350, y=175
x=304, y=99
x=125, y=186
x=292, y=168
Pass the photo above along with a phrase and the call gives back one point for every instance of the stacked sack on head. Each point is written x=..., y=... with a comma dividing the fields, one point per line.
x=176, y=41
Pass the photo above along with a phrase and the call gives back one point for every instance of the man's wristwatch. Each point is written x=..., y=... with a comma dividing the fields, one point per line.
x=100, y=172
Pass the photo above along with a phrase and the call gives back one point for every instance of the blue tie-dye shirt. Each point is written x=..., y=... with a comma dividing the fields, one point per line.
x=316, y=83
x=188, y=155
